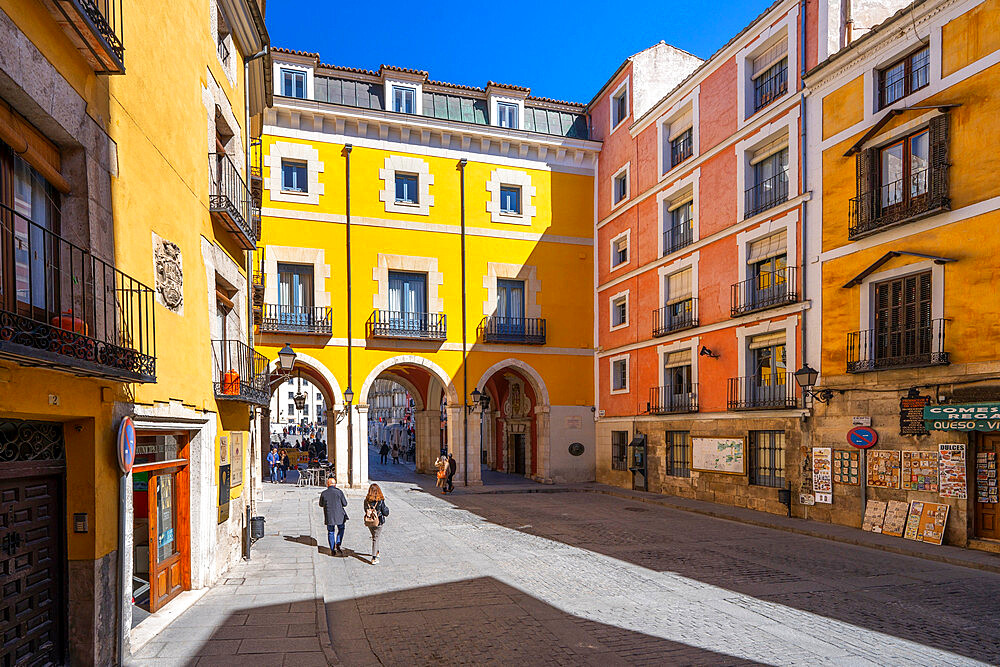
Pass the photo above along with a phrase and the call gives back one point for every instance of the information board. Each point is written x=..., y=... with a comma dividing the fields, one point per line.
x=986, y=477
x=822, y=467
x=911, y=415
x=725, y=455
x=920, y=471
x=883, y=468
x=952, y=481
x=236, y=456
x=874, y=516
x=847, y=467
x=926, y=522
x=896, y=512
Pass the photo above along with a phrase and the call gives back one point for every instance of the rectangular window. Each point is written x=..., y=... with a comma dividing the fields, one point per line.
x=408, y=293
x=682, y=147
x=619, y=312
x=619, y=374
x=406, y=188
x=619, y=107
x=620, y=187
x=294, y=176
x=507, y=115
x=769, y=181
x=770, y=75
x=305, y=410
x=904, y=76
x=767, y=458
x=510, y=300
x=510, y=199
x=903, y=330
x=293, y=83
x=678, y=454
x=291, y=394
x=680, y=227
x=620, y=252
x=404, y=99
x=619, y=448
x=291, y=409
x=903, y=170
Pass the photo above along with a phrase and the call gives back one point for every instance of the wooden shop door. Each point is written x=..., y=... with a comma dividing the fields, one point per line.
x=986, y=463
x=166, y=578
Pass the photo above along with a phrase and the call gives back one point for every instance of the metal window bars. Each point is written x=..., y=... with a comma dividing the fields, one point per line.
x=905, y=347
x=765, y=195
x=769, y=289
x=902, y=200
x=524, y=330
x=770, y=85
x=681, y=148
x=762, y=391
x=678, y=236
x=298, y=319
x=240, y=373
x=95, y=28
x=403, y=324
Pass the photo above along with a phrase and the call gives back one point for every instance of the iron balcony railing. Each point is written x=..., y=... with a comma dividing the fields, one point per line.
x=229, y=200
x=223, y=51
x=770, y=85
x=240, y=373
x=675, y=317
x=672, y=399
x=771, y=391
x=298, y=319
x=913, y=347
x=765, y=195
x=903, y=200
x=401, y=324
x=61, y=307
x=678, y=236
x=769, y=289
x=95, y=28
x=524, y=330
x=681, y=148
x=256, y=180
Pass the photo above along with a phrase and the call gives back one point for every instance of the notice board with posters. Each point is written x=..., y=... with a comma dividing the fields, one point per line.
x=952, y=476
x=926, y=522
x=874, y=516
x=883, y=468
x=822, y=469
x=725, y=455
x=224, y=486
x=847, y=467
x=986, y=477
x=919, y=471
x=911, y=415
x=236, y=457
x=896, y=512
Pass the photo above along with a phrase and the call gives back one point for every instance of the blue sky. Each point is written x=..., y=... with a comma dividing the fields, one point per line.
x=563, y=50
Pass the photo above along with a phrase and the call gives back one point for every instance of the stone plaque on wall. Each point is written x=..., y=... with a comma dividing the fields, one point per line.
x=236, y=456
x=169, y=274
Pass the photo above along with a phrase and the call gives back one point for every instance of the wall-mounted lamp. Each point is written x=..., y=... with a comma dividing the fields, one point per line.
x=806, y=378
x=705, y=352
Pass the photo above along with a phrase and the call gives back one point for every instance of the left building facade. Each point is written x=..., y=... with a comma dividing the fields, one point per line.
x=126, y=214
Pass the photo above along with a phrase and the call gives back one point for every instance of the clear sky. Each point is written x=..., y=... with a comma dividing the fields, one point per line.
x=563, y=50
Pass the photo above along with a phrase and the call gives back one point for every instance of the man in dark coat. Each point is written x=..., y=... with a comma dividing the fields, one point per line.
x=452, y=469
x=333, y=501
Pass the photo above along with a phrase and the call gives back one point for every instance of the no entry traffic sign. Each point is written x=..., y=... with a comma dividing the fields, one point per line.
x=862, y=437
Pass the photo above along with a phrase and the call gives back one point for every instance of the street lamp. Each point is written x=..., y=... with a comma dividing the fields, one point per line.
x=348, y=399
x=286, y=358
x=300, y=397
x=348, y=396
x=806, y=378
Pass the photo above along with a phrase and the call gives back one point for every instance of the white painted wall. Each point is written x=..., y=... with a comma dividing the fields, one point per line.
x=568, y=424
x=655, y=72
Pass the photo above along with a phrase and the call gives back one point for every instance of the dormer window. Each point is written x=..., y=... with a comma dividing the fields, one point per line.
x=507, y=115
x=293, y=83
x=404, y=99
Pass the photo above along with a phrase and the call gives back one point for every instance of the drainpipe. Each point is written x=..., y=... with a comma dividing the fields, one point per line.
x=465, y=365
x=848, y=23
x=803, y=185
x=350, y=377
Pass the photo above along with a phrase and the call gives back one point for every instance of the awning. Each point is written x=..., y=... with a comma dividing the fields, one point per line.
x=770, y=246
x=892, y=254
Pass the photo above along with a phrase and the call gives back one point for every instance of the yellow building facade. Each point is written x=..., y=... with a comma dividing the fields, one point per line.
x=903, y=267
x=127, y=216
x=456, y=197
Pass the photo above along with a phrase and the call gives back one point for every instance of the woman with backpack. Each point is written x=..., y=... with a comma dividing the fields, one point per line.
x=375, y=513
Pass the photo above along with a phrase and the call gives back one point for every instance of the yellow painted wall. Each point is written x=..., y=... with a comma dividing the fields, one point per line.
x=969, y=37
x=844, y=107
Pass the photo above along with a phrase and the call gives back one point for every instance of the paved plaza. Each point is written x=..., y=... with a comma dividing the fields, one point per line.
x=572, y=578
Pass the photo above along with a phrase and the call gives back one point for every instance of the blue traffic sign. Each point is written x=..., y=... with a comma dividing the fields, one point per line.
x=862, y=437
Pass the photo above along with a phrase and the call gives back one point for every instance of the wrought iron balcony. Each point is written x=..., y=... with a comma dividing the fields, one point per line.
x=229, y=201
x=524, y=330
x=874, y=350
x=315, y=320
x=678, y=236
x=673, y=399
x=398, y=324
x=773, y=391
x=240, y=373
x=256, y=180
x=63, y=308
x=766, y=194
x=770, y=85
x=906, y=200
x=767, y=290
x=675, y=317
x=95, y=29
x=681, y=148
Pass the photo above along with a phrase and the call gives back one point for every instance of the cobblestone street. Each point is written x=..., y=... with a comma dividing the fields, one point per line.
x=573, y=578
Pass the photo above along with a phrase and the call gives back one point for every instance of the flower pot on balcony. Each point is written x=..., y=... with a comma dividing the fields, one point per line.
x=69, y=323
x=231, y=383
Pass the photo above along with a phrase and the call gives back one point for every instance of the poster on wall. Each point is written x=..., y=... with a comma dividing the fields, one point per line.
x=223, y=450
x=952, y=481
x=986, y=477
x=847, y=467
x=236, y=457
x=895, y=518
x=822, y=466
x=725, y=455
x=883, y=468
x=926, y=522
x=920, y=471
x=224, y=486
x=874, y=516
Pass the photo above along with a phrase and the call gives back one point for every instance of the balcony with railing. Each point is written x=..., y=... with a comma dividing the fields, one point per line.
x=769, y=289
x=314, y=320
x=901, y=201
x=401, y=324
x=95, y=29
x=681, y=148
x=771, y=391
x=523, y=330
x=673, y=399
x=240, y=373
x=675, y=317
x=63, y=308
x=256, y=179
x=909, y=347
x=765, y=195
x=230, y=202
x=770, y=85
x=258, y=281
x=678, y=236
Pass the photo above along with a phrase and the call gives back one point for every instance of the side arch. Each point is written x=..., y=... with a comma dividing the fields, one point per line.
x=411, y=360
x=537, y=383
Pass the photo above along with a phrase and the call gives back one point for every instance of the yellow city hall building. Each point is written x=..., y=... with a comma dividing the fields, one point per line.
x=438, y=236
x=903, y=270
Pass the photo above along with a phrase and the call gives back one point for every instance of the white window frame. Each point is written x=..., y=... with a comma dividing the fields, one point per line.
x=406, y=164
x=787, y=325
x=301, y=163
x=679, y=192
x=676, y=266
x=417, y=85
x=611, y=312
x=627, y=235
x=401, y=202
x=403, y=88
x=662, y=351
x=623, y=171
x=788, y=27
x=623, y=87
x=745, y=149
x=788, y=223
x=688, y=104
x=626, y=358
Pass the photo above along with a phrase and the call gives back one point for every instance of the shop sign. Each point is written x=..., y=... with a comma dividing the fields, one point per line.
x=911, y=415
x=126, y=445
x=969, y=417
x=862, y=437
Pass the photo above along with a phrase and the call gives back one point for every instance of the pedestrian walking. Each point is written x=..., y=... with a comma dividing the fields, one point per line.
x=452, y=469
x=395, y=453
x=383, y=453
x=442, y=472
x=375, y=513
x=285, y=465
x=333, y=501
x=272, y=462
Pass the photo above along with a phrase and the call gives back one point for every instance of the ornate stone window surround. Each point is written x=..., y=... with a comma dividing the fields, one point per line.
x=428, y=265
x=302, y=153
x=532, y=285
x=521, y=179
x=425, y=179
x=316, y=257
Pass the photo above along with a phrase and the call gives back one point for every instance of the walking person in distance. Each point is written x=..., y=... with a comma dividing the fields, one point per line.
x=333, y=501
x=442, y=472
x=383, y=453
x=452, y=469
x=375, y=513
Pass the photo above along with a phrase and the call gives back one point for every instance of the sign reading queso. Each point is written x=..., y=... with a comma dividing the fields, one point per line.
x=969, y=417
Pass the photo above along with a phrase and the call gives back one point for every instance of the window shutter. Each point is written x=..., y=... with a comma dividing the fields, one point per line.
x=679, y=358
x=770, y=246
x=767, y=340
x=867, y=162
x=679, y=287
x=939, y=161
